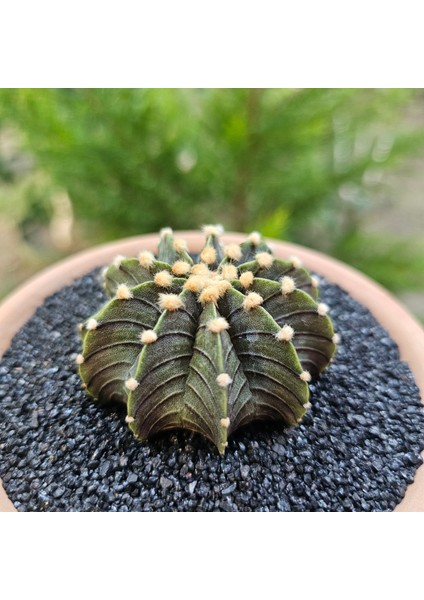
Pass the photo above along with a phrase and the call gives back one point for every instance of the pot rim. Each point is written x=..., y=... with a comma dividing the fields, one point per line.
x=20, y=305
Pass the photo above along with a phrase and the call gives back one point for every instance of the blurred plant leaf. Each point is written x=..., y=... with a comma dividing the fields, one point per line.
x=397, y=264
x=303, y=164
x=275, y=225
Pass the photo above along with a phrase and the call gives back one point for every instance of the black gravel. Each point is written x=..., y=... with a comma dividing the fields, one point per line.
x=357, y=449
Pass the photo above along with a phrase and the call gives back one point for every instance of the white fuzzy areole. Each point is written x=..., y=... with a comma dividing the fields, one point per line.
x=255, y=238
x=307, y=406
x=314, y=281
x=246, y=279
x=233, y=251
x=166, y=231
x=252, y=300
x=118, y=260
x=79, y=359
x=91, y=324
x=322, y=309
x=170, y=302
x=211, y=293
x=123, y=292
x=285, y=334
x=146, y=259
x=264, y=259
x=288, y=285
x=223, y=286
x=225, y=422
x=224, y=380
x=181, y=267
x=180, y=245
x=215, y=230
x=200, y=269
x=195, y=283
x=104, y=272
x=148, y=336
x=217, y=325
x=229, y=272
x=163, y=279
x=208, y=255
x=336, y=339
x=295, y=261
x=129, y=419
x=131, y=384
x=305, y=376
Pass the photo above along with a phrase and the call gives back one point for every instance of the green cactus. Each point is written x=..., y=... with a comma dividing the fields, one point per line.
x=207, y=346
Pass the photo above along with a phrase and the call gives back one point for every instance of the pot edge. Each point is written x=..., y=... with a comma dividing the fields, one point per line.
x=400, y=324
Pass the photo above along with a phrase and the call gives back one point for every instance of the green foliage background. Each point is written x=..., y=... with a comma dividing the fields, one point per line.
x=297, y=164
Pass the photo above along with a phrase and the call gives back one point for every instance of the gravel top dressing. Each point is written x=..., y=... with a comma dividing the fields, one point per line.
x=357, y=448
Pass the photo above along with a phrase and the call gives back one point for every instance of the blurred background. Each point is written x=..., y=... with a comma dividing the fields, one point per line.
x=339, y=170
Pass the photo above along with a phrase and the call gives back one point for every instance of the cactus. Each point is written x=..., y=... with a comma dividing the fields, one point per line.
x=207, y=345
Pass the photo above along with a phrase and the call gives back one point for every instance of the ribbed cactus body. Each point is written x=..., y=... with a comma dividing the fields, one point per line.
x=209, y=345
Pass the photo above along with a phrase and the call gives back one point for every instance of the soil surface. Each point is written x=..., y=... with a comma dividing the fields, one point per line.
x=356, y=450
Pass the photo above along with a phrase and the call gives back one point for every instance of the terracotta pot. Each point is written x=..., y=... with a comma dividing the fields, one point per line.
x=403, y=328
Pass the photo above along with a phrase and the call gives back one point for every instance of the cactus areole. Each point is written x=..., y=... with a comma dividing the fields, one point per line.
x=207, y=345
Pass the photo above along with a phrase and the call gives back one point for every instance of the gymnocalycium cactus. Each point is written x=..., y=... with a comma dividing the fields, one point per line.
x=209, y=345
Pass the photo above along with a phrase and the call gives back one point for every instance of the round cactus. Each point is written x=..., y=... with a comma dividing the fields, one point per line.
x=207, y=345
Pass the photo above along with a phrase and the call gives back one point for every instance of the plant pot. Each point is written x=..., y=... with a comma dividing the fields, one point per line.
x=402, y=327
